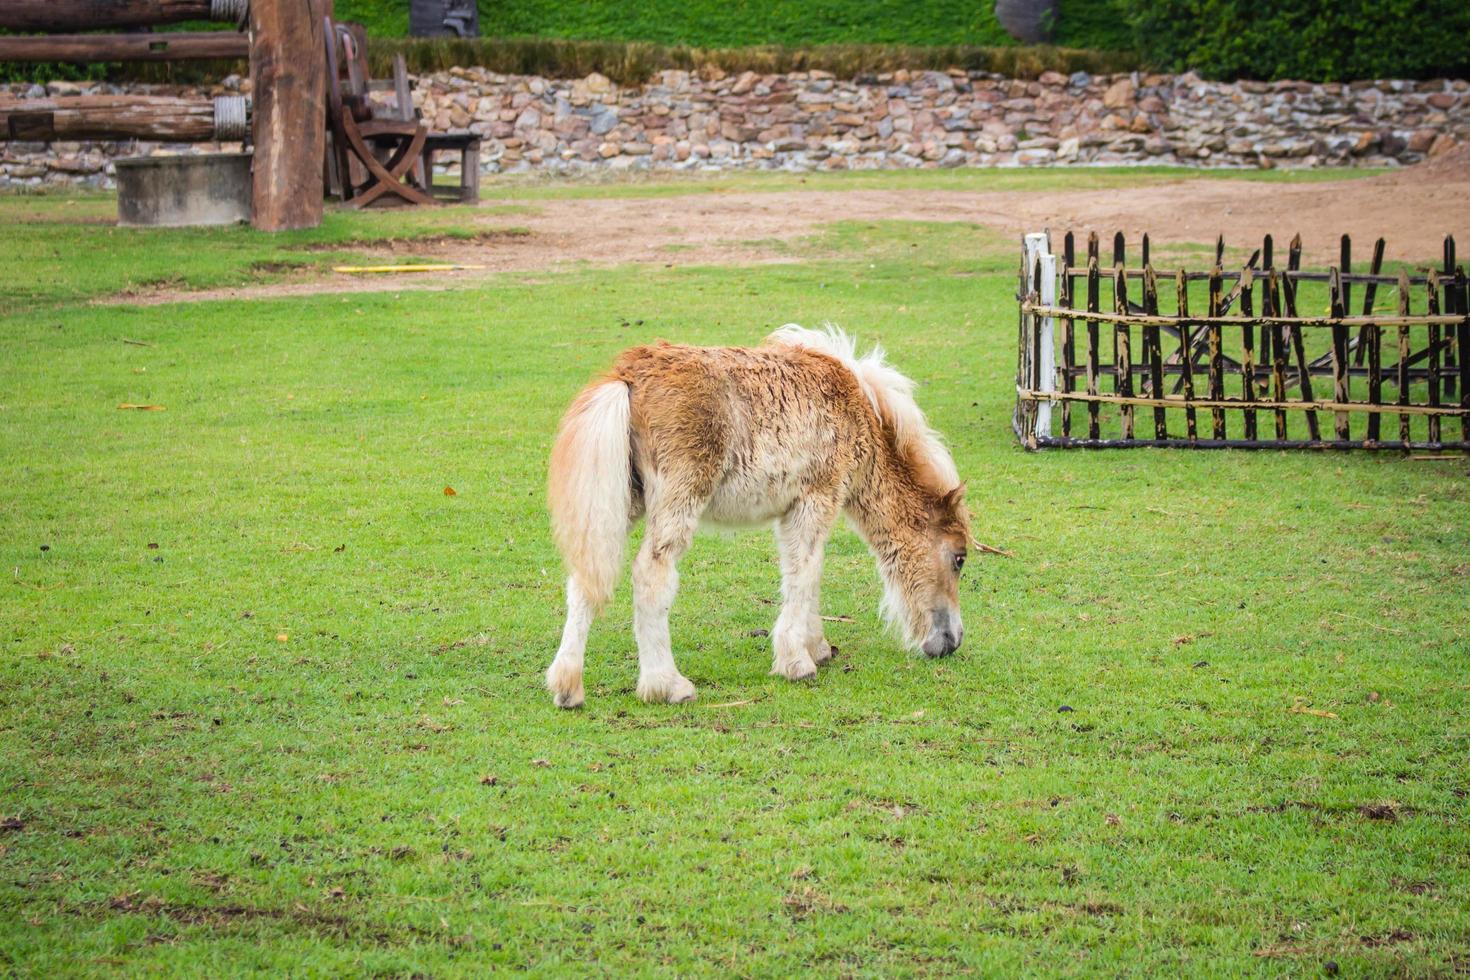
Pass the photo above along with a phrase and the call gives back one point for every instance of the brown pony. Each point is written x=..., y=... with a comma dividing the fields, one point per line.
x=795, y=432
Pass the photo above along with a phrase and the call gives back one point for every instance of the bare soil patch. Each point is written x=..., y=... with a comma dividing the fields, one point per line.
x=1412, y=209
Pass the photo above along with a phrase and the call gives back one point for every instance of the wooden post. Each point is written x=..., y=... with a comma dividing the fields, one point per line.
x=288, y=78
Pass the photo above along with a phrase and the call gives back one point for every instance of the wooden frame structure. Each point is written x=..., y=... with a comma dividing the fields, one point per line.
x=1277, y=360
x=285, y=123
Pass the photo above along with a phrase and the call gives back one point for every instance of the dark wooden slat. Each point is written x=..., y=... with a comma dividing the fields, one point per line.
x=1271, y=303
x=1122, y=349
x=1152, y=351
x=1069, y=339
x=1118, y=250
x=1462, y=339
x=1451, y=305
x=1304, y=374
x=1342, y=391
x=1370, y=292
x=1403, y=366
x=1434, y=391
x=1094, y=356
x=1186, y=369
x=1248, y=355
x=1217, y=374
x=1372, y=344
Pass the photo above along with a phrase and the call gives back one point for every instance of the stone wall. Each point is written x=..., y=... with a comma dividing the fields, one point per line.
x=810, y=120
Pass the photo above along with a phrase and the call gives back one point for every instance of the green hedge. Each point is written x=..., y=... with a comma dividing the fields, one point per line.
x=717, y=23
x=1304, y=39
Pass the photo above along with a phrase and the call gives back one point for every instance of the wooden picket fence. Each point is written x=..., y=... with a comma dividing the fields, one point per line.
x=1274, y=351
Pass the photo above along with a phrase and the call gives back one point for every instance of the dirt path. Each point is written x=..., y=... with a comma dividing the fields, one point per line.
x=1412, y=209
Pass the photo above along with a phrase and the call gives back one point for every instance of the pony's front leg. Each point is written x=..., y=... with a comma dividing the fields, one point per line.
x=797, y=637
x=655, y=581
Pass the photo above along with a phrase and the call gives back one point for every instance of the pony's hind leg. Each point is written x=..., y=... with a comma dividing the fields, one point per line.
x=668, y=533
x=797, y=637
x=564, y=676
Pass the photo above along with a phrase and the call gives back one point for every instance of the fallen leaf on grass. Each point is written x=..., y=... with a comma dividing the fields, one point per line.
x=430, y=724
x=451, y=492
x=489, y=779
x=541, y=763
x=282, y=637
x=451, y=702
x=12, y=823
x=1301, y=709
x=141, y=408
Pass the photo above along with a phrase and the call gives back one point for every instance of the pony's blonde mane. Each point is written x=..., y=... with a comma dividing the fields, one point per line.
x=892, y=396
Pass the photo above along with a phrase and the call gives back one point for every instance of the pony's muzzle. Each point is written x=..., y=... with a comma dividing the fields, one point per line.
x=945, y=634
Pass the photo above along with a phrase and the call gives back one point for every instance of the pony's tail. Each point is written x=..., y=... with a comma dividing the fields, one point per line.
x=591, y=489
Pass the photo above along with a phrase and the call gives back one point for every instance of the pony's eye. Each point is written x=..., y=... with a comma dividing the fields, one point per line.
x=959, y=562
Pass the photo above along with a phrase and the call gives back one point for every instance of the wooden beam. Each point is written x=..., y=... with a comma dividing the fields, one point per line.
x=288, y=84
x=82, y=15
x=72, y=117
x=179, y=46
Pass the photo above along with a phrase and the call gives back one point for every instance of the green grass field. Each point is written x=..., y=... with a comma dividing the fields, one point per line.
x=270, y=697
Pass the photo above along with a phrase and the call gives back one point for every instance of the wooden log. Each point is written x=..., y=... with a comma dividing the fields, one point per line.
x=1153, y=352
x=1069, y=339
x=83, y=15
x=1304, y=373
x=1341, y=385
x=1248, y=353
x=179, y=46
x=1122, y=347
x=1217, y=374
x=1433, y=308
x=1186, y=360
x=288, y=77
x=1403, y=368
x=1093, y=354
x=76, y=117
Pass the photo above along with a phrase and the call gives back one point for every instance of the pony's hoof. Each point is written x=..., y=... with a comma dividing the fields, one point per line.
x=565, y=684
x=666, y=688
x=796, y=670
x=825, y=653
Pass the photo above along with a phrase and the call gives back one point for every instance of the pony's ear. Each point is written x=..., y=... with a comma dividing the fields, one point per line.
x=953, y=499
